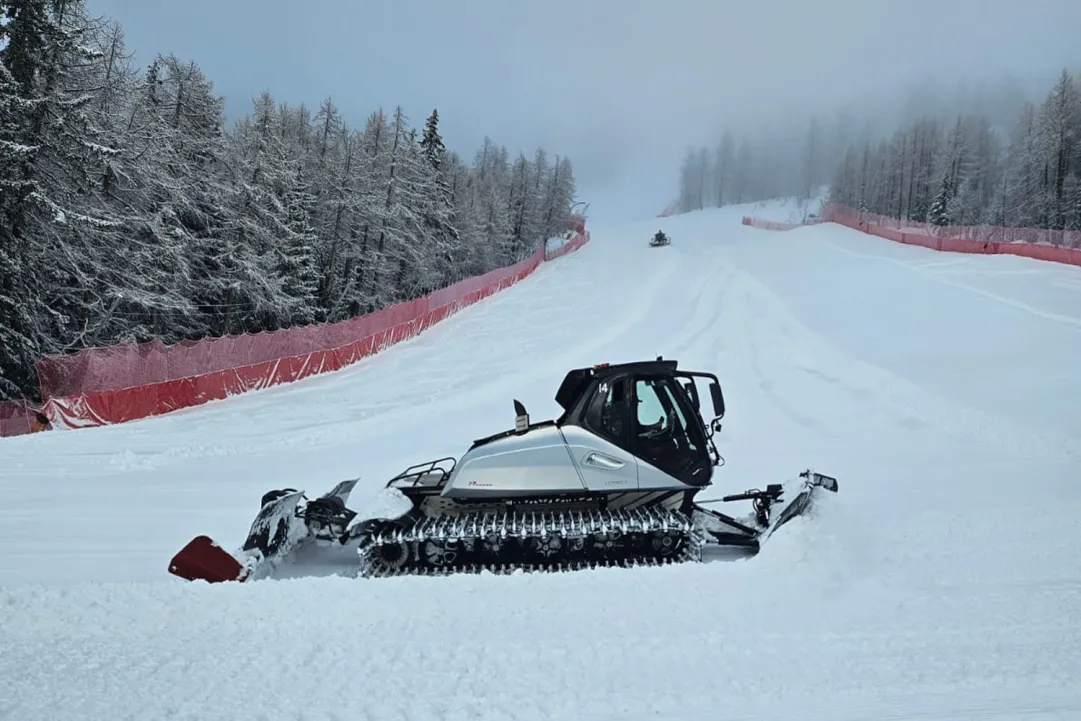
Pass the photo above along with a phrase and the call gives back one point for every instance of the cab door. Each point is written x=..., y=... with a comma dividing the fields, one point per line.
x=666, y=442
x=601, y=449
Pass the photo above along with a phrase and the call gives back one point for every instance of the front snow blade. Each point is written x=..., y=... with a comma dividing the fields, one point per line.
x=806, y=489
x=276, y=528
x=204, y=560
x=280, y=528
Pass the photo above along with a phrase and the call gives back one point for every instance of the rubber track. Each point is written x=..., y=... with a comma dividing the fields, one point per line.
x=526, y=526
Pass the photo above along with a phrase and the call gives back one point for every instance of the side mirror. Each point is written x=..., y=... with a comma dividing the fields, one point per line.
x=718, y=399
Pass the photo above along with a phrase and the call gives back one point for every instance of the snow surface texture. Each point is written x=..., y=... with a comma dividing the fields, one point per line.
x=942, y=582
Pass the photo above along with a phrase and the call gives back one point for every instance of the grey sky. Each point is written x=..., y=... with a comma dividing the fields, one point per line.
x=621, y=86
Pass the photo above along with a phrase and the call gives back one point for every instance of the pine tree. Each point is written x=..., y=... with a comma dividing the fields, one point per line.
x=295, y=251
x=20, y=304
x=129, y=211
x=939, y=213
x=432, y=143
x=438, y=204
x=1060, y=135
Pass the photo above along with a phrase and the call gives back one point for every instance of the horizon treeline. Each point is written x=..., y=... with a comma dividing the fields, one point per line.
x=997, y=159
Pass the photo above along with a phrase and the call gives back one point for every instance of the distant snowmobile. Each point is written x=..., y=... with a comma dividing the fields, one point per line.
x=659, y=239
x=611, y=482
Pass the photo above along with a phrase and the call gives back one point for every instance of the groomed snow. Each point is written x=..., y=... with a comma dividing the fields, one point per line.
x=942, y=582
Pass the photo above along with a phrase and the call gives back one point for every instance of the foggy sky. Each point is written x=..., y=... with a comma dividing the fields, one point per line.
x=619, y=86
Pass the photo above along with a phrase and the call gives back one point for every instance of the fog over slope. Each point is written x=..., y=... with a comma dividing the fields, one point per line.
x=621, y=88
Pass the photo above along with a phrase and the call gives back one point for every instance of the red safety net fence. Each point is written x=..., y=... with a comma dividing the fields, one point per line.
x=16, y=417
x=576, y=241
x=1058, y=246
x=775, y=225
x=126, y=382
x=577, y=224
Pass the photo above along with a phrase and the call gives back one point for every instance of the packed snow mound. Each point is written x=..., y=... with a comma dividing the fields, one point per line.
x=941, y=581
x=828, y=546
x=787, y=210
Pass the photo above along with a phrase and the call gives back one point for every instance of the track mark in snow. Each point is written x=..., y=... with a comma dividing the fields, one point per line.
x=548, y=307
x=922, y=269
x=788, y=650
x=746, y=309
x=776, y=346
x=941, y=583
x=708, y=304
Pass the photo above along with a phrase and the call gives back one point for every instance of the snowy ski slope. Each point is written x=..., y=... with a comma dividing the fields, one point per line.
x=942, y=582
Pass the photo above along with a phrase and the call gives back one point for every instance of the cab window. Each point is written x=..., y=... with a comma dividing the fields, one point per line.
x=663, y=436
x=606, y=414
